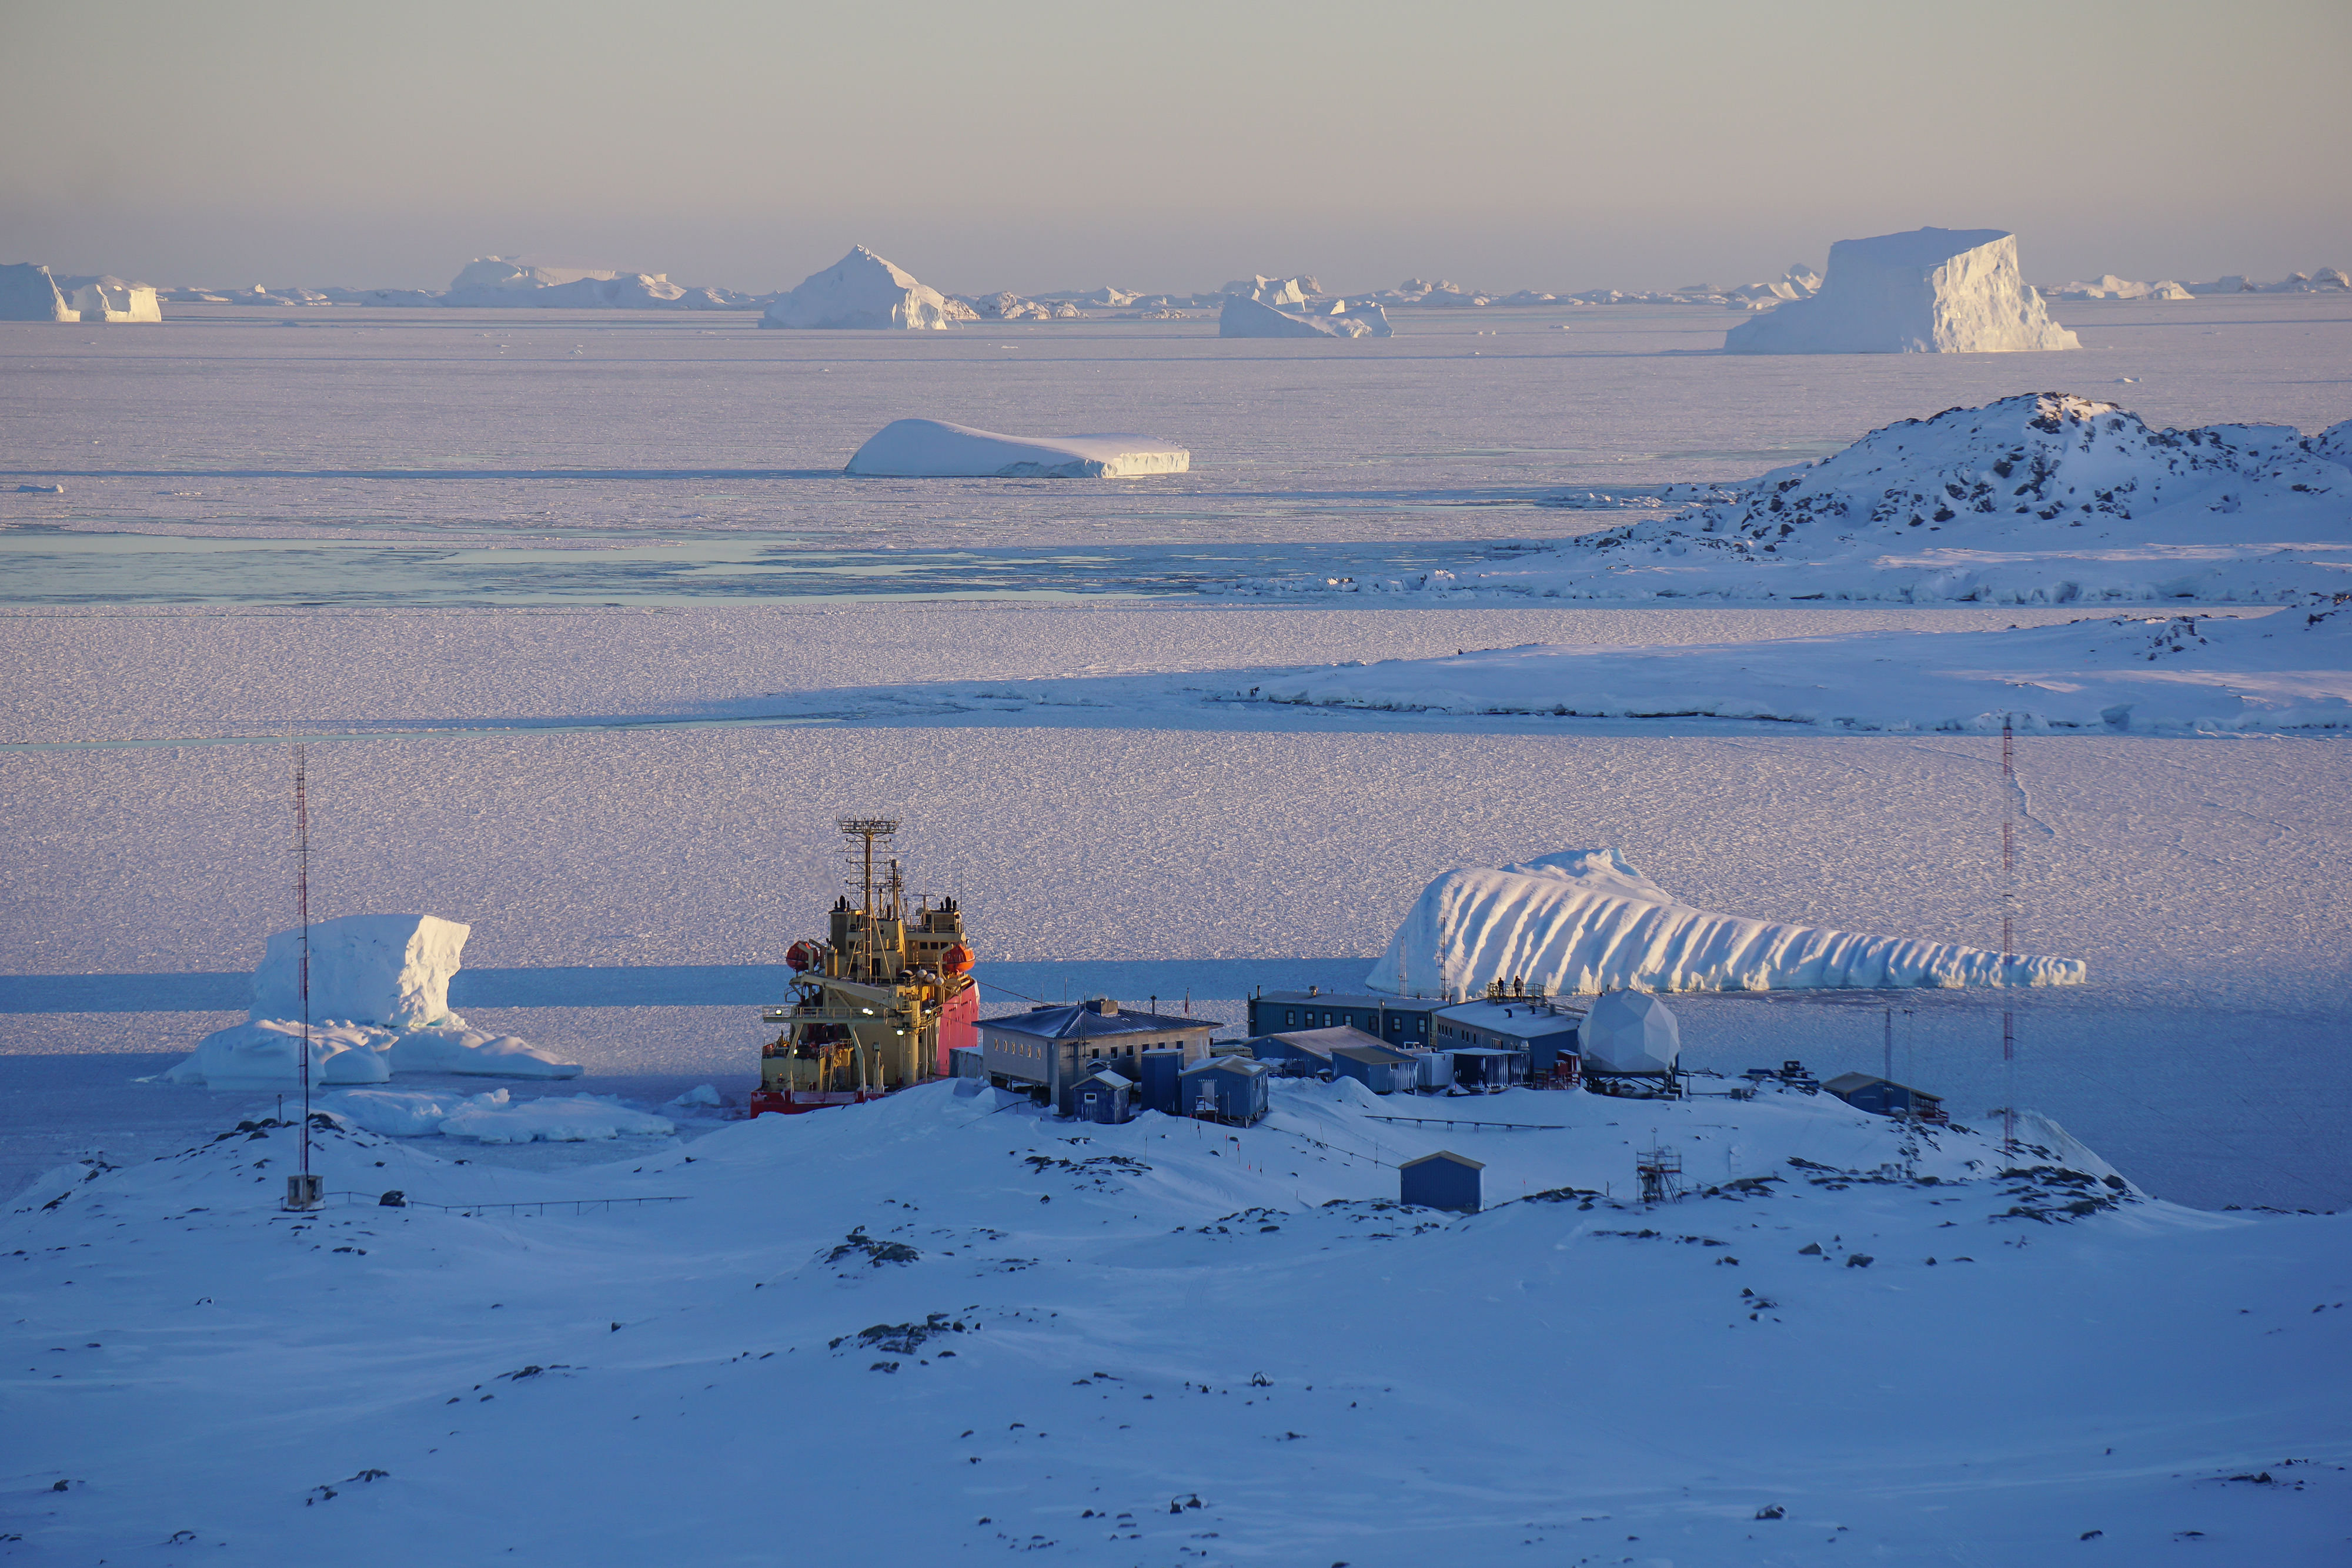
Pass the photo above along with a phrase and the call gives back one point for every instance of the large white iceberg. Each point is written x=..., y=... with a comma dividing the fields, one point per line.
x=1585, y=921
x=109, y=300
x=379, y=1004
x=28, y=293
x=934, y=449
x=1931, y=291
x=862, y=290
x=497, y=283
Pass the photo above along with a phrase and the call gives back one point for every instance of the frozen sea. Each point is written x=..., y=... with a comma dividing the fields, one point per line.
x=595, y=639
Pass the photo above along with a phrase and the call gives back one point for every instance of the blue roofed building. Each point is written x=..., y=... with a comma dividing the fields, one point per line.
x=1048, y=1049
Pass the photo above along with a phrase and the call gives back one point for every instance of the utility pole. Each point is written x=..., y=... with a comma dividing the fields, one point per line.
x=302, y=1187
x=2008, y=928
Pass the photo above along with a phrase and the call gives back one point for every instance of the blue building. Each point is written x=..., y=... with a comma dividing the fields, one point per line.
x=1392, y=1021
x=1884, y=1097
x=1104, y=1095
x=1226, y=1089
x=1376, y=1067
x=1442, y=1180
x=1542, y=1034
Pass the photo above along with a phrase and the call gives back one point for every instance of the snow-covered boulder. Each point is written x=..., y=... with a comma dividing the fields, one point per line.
x=1629, y=1032
x=1585, y=921
x=934, y=449
x=1931, y=291
x=28, y=293
x=1244, y=317
x=863, y=291
x=390, y=970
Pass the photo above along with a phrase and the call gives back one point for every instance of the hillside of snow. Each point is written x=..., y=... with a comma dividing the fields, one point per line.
x=2166, y=674
x=2041, y=498
x=1583, y=921
x=962, y=1327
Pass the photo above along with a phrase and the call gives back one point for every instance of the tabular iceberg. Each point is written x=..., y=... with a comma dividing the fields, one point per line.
x=1585, y=921
x=379, y=1005
x=934, y=449
x=28, y=293
x=862, y=290
x=1931, y=291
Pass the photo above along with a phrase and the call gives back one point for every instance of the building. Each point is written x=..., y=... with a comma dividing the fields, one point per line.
x=1048, y=1049
x=1884, y=1097
x=1226, y=1088
x=1540, y=1030
x=1442, y=1180
x=1376, y=1067
x=1312, y=1046
x=1401, y=1022
x=1104, y=1095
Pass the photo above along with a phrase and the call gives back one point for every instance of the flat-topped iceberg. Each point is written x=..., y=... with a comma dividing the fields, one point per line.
x=862, y=290
x=379, y=1004
x=1586, y=921
x=934, y=449
x=1931, y=291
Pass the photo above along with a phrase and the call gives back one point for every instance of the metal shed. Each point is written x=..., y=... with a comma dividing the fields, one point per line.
x=1488, y=1067
x=1442, y=1180
x=1376, y=1067
x=1161, y=1071
x=1884, y=1097
x=1226, y=1089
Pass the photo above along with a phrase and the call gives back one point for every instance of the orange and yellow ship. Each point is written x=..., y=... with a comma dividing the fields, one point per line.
x=877, y=1006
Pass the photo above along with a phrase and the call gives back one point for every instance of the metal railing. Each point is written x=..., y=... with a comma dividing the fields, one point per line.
x=1468, y=1122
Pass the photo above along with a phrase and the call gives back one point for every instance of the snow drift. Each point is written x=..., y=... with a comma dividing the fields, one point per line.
x=2043, y=499
x=2137, y=675
x=1931, y=291
x=933, y=449
x=379, y=1005
x=494, y=1117
x=861, y=291
x=1585, y=921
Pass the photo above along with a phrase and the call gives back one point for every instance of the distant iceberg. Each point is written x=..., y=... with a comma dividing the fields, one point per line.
x=1584, y=921
x=28, y=293
x=1246, y=318
x=934, y=449
x=862, y=290
x=1931, y=291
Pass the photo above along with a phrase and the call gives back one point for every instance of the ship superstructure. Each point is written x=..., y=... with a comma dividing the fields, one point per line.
x=878, y=1004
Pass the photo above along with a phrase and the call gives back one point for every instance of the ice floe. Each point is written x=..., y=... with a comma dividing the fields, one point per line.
x=1934, y=291
x=863, y=291
x=934, y=449
x=1586, y=921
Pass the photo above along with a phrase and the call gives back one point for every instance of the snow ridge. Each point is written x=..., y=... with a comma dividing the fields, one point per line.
x=1582, y=921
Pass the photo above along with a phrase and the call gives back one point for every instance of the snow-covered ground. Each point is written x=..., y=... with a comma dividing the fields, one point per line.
x=1169, y=1342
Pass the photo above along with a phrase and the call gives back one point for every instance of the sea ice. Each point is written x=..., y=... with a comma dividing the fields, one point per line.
x=1935, y=291
x=933, y=449
x=862, y=290
x=1585, y=920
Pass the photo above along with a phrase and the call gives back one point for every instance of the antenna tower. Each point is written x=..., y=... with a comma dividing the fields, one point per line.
x=303, y=1188
x=2008, y=928
x=867, y=830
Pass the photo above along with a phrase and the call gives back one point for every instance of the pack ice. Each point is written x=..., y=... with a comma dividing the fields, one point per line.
x=379, y=1005
x=862, y=290
x=1931, y=291
x=934, y=449
x=2140, y=674
x=1581, y=921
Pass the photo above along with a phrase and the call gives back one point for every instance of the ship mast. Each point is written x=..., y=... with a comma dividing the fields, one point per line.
x=867, y=830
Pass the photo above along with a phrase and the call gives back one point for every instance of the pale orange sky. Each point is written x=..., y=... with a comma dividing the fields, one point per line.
x=1037, y=144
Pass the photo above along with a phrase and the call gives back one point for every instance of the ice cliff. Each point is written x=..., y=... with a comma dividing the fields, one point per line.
x=862, y=290
x=1586, y=921
x=1931, y=291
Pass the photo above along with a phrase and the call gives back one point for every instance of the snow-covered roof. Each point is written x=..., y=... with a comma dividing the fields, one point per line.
x=1520, y=1017
x=1086, y=1020
x=1447, y=1155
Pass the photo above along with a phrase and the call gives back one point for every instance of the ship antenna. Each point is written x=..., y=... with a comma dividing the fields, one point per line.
x=867, y=830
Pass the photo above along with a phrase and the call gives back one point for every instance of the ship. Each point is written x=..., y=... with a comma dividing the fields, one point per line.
x=879, y=1004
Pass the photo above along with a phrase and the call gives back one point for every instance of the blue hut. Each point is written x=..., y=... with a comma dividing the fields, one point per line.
x=1106, y=1096
x=1226, y=1089
x=1161, y=1071
x=1376, y=1067
x=1442, y=1180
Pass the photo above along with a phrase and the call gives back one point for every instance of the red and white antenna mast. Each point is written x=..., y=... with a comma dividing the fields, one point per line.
x=2008, y=928
x=302, y=1190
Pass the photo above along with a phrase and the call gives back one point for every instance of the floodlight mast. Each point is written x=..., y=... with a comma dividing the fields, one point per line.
x=2008, y=932
x=303, y=1194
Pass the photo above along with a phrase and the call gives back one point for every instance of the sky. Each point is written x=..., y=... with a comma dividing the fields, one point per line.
x=1041, y=144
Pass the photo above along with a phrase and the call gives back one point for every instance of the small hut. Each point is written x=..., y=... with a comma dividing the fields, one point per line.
x=1442, y=1180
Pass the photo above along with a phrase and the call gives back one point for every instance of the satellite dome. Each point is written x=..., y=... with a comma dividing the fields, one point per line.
x=1629, y=1032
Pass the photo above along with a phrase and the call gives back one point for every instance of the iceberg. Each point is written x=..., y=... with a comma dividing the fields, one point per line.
x=1931, y=291
x=1246, y=318
x=861, y=291
x=1586, y=921
x=96, y=299
x=2110, y=287
x=379, y=1005
x=28, y=293
x=934, y=449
